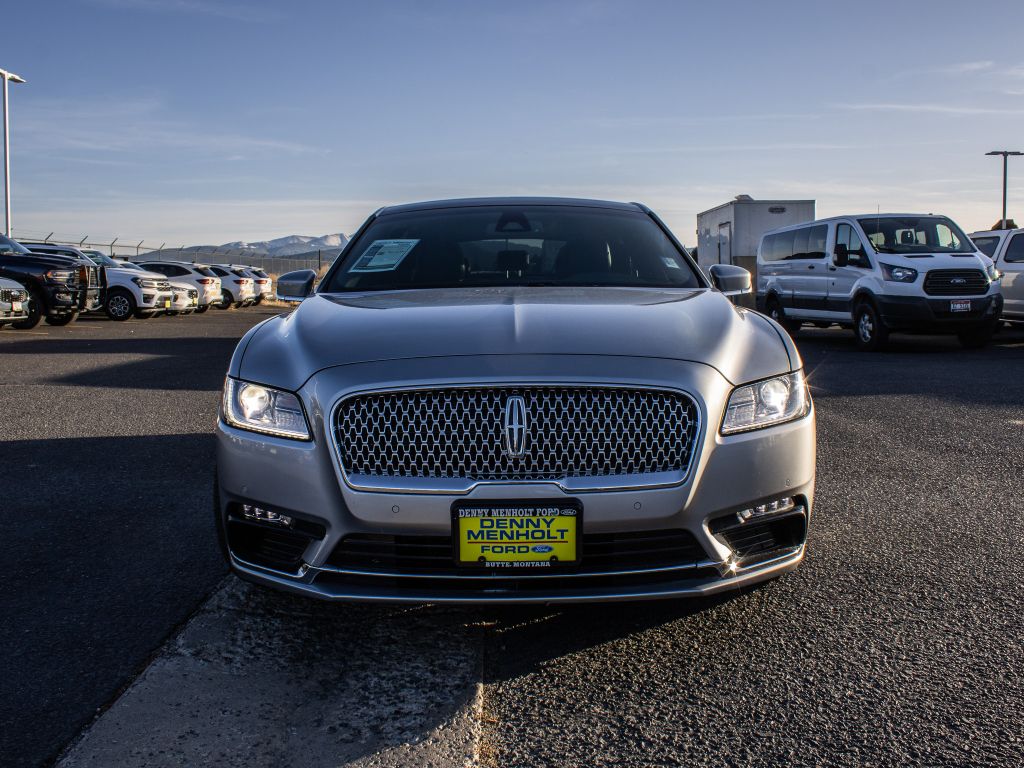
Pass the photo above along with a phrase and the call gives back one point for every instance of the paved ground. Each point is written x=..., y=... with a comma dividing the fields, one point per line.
x=899, y=640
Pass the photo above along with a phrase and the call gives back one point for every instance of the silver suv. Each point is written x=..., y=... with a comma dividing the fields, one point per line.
x=514, y=399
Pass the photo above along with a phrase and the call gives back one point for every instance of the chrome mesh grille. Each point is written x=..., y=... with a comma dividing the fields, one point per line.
x=8, y=295
x=571, y=432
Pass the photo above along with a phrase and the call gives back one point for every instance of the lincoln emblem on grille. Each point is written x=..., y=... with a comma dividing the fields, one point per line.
x=515, y=427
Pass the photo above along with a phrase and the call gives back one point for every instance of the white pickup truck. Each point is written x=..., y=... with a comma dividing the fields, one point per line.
x=1006, y=248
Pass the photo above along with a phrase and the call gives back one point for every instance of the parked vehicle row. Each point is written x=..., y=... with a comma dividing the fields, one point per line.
x=58, y=282
x=881, y=273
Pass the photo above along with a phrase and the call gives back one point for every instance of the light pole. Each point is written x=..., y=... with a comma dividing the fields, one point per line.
x=13, y=78
x=1005, y=153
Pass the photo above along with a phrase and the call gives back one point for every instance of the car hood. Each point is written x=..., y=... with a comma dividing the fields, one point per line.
x=329, y=330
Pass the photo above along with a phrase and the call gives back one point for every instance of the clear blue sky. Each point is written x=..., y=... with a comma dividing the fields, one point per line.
x=213, y=120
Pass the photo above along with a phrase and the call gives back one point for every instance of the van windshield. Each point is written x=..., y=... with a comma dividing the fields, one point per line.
x=915, y=235
x=512, y=245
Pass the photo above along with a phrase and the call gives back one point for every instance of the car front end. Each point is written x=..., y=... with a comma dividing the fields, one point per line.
x=520, y=442
x=13, y=302
x=185, y=298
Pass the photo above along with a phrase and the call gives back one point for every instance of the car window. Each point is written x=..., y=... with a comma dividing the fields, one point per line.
x=846, y=235
x=219, y=272
x=512, y=245
x=816, y=237
x=205, y=271
x=1015, y=250
x=987, y=245
x=155, y=268
x=800, y=239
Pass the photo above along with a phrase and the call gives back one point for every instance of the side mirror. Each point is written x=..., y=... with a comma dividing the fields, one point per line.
x=841, y=255
x=730, y=279
x=296, y=286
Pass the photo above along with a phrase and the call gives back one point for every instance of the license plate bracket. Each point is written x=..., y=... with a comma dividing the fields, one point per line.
x=960, y=305
x=517, y=534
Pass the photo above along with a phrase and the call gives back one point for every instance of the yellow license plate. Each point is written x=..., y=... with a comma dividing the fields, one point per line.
x=516, y=535
x=167, y=303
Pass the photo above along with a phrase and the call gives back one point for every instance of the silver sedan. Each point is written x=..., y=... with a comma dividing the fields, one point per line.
x=514, y=400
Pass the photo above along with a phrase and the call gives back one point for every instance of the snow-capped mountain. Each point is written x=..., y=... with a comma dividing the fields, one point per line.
x=291, y=245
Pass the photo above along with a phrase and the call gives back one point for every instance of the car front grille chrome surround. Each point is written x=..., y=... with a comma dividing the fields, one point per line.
x=581, y=437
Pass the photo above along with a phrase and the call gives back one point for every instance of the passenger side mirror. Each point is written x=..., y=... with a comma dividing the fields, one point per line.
x=842, y=255
x=296, y=286
x=730, y=279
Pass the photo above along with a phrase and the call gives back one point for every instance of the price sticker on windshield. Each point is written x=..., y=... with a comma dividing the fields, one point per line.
x=383, y=255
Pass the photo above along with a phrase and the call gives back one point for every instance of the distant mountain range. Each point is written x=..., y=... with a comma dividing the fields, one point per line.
x=292, y=245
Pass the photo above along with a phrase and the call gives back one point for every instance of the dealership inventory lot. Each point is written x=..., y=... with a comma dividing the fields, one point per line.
x=898, y=640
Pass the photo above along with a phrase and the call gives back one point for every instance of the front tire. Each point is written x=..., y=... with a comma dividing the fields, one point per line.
x=776, y=313
x=869, y=329
x=35, y=312
x=60, y=321
x=120, y=305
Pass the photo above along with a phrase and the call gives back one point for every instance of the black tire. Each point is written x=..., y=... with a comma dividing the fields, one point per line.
x=977, y=338
x=870, y=332
x=239, y=304
x=120, y=304
x=226, y=301
x=258, y=299
x=775, y=311
x=60, y=321
x=35, y=312
x=202, y=309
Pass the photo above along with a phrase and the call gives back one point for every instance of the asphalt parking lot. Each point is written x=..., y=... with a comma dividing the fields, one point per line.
x=898, y=641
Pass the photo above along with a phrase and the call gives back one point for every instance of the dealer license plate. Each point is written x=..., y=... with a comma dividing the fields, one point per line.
x=167, y=303
x=963, y=305
x=16, y=306
x=516, y=534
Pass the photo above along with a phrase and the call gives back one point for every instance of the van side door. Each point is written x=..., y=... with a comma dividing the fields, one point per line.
x=810, y=271
x=843, y=279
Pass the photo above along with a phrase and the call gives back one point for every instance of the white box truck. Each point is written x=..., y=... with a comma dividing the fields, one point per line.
x=730, y=233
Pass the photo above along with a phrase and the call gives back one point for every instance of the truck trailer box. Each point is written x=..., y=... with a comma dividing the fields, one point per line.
x=730, y=233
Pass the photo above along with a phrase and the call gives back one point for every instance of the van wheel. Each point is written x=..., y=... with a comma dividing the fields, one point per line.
x=120, y=304
x=35, y=312
x=870, y=332
x=61, y=320
x=977, y=338
x=776, y=313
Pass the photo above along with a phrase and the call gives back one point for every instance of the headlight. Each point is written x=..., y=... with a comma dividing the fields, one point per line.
x=898, y=274
x=145, y=282
x=60, y=275
x=993, y=273
x=765, y=403
x=264, y=409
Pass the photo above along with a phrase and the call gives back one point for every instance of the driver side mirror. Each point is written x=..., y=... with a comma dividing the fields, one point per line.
x=730, y=279
x=296, y=286
x=842, y=255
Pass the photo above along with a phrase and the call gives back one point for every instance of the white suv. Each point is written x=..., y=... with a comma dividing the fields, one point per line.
x=878, y=273
x=130, y=292
x=236, y=288
x=198, y=276
x=1006, y=249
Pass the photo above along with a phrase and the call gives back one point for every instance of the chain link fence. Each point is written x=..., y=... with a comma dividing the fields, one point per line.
x=135, y=251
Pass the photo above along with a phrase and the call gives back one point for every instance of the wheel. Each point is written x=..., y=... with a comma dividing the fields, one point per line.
x=868, y=329
x=225, y=300
x=977, y=338
x=203, y=308
x=239, y=304
x=120, y=304
x=258, y=299
x=776, y=313
x=35, y=311
x=61, y=320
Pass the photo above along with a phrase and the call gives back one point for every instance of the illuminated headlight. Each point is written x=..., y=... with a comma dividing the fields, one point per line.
x=898, y=274
x=766, y=403
x=144, y=282
x=264, y=409
x=764, y=510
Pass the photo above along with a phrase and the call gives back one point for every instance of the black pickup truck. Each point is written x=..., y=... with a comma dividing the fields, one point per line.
x=59, y=287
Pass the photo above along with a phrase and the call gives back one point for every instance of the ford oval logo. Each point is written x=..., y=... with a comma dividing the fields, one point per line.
x=542, y=548
x=958, y=281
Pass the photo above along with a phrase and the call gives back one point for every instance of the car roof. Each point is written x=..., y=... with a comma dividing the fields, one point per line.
x=479, y=202
x=994, y=232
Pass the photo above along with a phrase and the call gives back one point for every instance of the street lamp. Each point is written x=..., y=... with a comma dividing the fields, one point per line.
x=13, y=78
x=1005, y=153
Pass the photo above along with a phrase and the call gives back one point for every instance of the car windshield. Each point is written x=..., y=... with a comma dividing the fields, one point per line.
x=512, y=245
x=915, y=235
x=987, y=245
x=12, y=246
x=205, y=271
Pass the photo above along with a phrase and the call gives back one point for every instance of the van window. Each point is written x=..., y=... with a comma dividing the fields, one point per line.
x=816, y=238
x=800, y=243
x=846, y=235
x=987, y=245
x=915, y=235
x=1015, y=250
x=783, y=246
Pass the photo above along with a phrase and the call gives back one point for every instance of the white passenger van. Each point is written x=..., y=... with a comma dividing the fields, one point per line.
x=879, y=273
x=1006, y=248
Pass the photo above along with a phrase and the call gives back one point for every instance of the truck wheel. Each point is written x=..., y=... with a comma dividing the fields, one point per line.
x=35, y=312
x=977, y=338
x=61, y=320
x=776, y=313
x=120, y=304
x=868, y=329
x=225, y=300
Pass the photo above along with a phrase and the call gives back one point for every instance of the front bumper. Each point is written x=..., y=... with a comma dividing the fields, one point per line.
x=727, y=474
x=934, y=315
